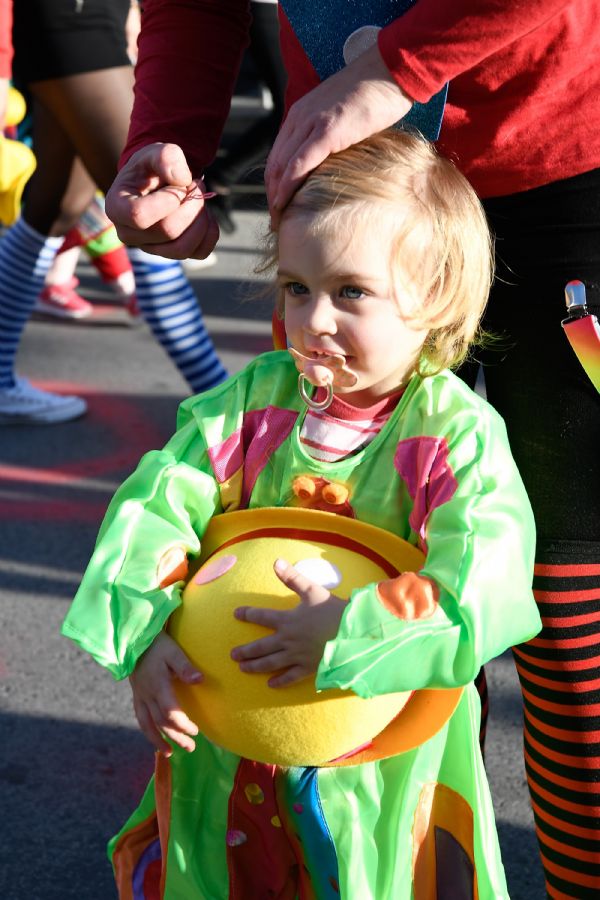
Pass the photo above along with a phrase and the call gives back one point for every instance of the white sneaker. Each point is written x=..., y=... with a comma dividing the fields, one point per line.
x=25, y=404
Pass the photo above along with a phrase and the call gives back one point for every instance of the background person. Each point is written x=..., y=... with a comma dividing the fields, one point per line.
x=74, y=63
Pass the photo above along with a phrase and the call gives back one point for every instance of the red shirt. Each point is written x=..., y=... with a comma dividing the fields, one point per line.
x=6, y=49
x=523, y=104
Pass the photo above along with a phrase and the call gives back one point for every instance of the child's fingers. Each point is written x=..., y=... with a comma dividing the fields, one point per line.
x=290, y=676
x=149, y=729
x=272, y=663
x=167, y=714
x=175, y=725
x=255, y=649
x=269, y=618
x=179, y=721
x=182, y=740
x=181, y=666
x=308, y=591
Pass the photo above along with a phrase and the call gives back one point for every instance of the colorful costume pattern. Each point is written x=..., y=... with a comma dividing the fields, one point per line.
x=212, y=825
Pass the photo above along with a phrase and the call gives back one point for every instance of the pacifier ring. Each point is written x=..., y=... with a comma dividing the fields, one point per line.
x=314, y=404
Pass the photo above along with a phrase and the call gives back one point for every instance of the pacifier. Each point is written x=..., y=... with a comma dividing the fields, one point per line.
x=327, y=371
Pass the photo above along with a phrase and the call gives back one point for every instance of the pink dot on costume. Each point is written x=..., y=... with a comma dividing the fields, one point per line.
x=235, y=838
x=213, y=570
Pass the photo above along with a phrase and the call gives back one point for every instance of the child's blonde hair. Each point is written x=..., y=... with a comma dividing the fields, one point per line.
x=441, y=238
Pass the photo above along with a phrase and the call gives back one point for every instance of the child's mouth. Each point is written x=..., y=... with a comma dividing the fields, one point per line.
x=323, y=369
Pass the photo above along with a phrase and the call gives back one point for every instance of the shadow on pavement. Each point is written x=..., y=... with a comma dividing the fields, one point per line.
x=67, y=786
x=66, y=789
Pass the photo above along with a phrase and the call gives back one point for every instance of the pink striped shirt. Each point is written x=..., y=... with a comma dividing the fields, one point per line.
x=342, y=429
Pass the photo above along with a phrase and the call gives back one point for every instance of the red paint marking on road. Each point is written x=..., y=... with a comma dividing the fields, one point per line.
x=53, y=511
x=36, y=476
x=132, y=434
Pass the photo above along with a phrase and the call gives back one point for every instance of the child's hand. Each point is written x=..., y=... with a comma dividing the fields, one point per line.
x=154, y=701
x=300, y=634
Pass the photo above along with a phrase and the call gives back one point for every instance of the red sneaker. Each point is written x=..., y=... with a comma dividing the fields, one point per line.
x=63, y=301
x=132, y=307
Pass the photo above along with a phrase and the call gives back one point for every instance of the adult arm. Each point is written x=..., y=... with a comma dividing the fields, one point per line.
x=189, y=53
x=437, y=40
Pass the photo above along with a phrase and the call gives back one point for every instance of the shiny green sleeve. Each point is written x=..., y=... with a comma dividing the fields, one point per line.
x=166, y=503
x=479, y=551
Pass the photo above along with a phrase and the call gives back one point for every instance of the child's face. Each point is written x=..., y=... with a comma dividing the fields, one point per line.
x=339, y=299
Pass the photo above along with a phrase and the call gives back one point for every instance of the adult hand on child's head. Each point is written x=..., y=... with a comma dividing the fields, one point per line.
x=157, y=205
x=358, y=101
x=299, y=634
x=156, y=707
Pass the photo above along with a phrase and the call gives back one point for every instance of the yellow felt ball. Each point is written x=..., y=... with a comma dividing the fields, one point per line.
x=293, y=725
x=15, y=106
x=17, y=164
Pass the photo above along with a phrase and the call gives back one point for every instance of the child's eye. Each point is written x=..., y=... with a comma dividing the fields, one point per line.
x=349, y=292
x=296, y=288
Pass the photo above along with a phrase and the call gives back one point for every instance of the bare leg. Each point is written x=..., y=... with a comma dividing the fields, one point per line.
x=55, y=159
x=80, y=192
x=93, y=111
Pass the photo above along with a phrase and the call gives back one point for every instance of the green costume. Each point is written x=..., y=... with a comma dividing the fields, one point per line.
x=440, y=475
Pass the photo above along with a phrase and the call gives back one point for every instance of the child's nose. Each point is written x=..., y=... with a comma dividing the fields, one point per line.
x=321, y=317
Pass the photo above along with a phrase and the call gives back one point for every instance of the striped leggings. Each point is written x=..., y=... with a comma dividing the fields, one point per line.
x=547, y=237
x=166, y=299
x=560, y=678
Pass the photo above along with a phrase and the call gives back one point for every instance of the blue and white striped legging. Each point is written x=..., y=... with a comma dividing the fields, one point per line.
x=166, y=299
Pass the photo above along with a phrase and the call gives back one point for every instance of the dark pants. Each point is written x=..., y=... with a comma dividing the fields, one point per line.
x=252, y=147
x=545, y=238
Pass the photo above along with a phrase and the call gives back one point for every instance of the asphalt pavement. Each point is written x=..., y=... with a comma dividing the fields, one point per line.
x=72, y=761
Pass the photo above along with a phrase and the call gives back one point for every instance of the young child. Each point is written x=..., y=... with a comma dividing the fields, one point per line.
x=383, y=265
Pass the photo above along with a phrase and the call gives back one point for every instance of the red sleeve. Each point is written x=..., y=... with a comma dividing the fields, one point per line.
x=437, y=40
x=6, y=51
x=189, y=54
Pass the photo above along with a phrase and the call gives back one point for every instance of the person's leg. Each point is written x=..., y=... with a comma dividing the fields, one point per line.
x=26, y=254
x=98, y=237
x=59, y=298
x=548, y=237
x=86, y=226
x=78, y=196
x=93, y=109
x=169, y=305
